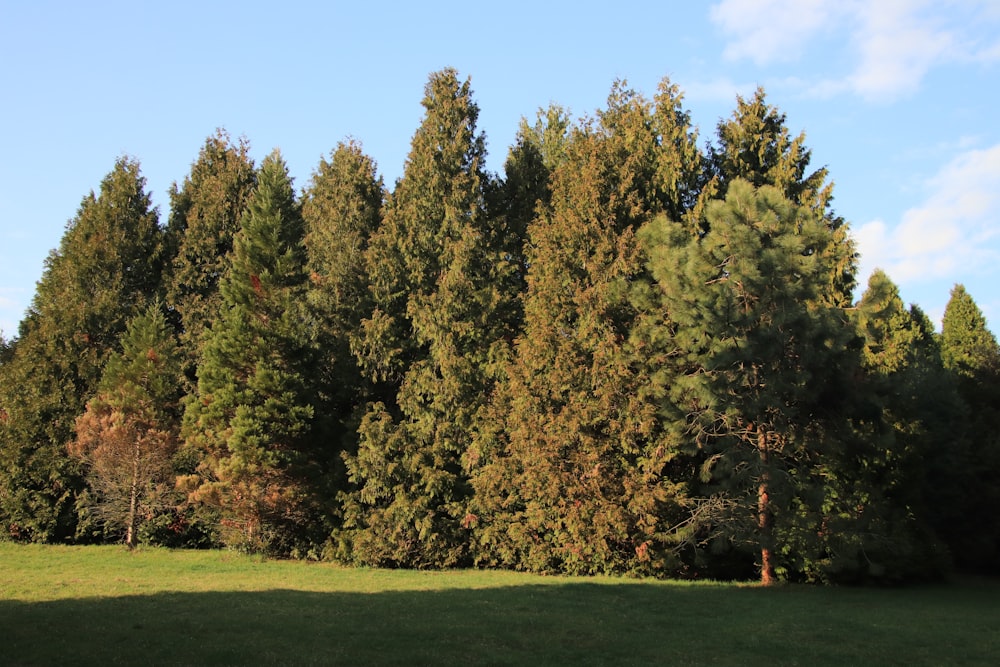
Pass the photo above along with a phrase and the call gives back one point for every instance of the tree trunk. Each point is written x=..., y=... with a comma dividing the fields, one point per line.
x=133, y=500
x=765, y=518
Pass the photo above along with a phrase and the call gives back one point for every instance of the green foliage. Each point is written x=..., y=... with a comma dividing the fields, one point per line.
x=107, y=269
x=526, y=190
x=755, y=145
x=874, y=506
x=571, y=476
x=627, y=354
x=127, y=436
x=971, y=353
x=753, y=342
x=250, y=420
x=342, y=208
x=438, y=269
x=549, y=135
x=204, y=216
x=968, y=348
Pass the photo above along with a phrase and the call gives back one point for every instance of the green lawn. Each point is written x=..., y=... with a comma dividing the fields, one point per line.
x=104, y=605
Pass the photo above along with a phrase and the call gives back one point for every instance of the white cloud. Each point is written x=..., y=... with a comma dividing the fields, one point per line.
x=953, y=233
x=989, y=54
x=892, y=43
x=897, y=46
x=768, y=31
x=717, y=90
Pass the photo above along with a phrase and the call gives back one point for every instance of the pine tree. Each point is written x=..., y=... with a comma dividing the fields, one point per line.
x=755, y=145
x=753, y=340
x=128, y=434
x=438, y=271
x=971, y=354
x=250, y=420
x=204, y=216
x=107, y=268
x=575, y=482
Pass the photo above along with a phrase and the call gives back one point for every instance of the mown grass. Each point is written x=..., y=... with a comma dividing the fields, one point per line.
x=104, y=605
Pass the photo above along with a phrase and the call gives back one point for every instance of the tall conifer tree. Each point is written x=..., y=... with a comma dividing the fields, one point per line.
x=438, y=272
x=755, y=145
x=204, y=216
x=875, y=520
x=107, y=268
x=251, y=419
x=342, y=208
x=526, y=187
x=576, y=480
x=753, y=341
x=968, y=347
x=971, y=353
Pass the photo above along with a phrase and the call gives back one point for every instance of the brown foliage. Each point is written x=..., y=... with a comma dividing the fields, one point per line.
x=128, y=464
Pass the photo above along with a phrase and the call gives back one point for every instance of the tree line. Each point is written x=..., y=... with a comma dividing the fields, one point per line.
x=630, y=352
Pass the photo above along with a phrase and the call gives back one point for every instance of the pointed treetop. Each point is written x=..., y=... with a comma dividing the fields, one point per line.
x=968, y=347
x=891, y=332
x=449, y=125
x=755, y=144
x=268, y=249
x=205, y=215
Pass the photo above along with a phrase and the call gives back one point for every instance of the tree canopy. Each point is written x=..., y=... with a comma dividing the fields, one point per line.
x=636, y=350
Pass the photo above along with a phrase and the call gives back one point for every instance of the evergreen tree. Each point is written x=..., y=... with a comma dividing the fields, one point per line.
x=549, y=135
x=342, y=208
x=575, y=481
x=438, y=270
x=251, y=420
x=107, y=268
x=755, y=145
x=526, y=186
x=971, y=353
x=680, y=165
x=753, y=341
x=876, y=523
x=128, y=434
x=204, y=216
x=968, y=347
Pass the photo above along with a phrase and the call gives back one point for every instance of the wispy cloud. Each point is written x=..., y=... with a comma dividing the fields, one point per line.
x=717, y=90
x=892, y=44
x=953, y=233
x=768, y=31
x=897, y=45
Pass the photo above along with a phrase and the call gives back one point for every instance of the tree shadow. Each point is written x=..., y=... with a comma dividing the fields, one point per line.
x=571, y=624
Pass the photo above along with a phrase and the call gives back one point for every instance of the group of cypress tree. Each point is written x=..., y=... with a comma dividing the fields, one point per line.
x=626, y=354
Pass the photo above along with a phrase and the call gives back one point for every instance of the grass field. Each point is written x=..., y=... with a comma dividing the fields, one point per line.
x=104, y=605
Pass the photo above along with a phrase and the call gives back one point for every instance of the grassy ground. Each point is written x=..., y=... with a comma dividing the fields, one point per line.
x=103, y=605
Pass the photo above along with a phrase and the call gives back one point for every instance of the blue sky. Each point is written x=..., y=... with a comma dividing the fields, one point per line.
x=898, y=99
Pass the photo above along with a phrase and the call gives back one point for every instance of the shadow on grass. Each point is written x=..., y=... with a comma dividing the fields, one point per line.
x=572, y=624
